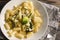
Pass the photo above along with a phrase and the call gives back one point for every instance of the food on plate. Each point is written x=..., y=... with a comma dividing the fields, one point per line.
x=23, y=20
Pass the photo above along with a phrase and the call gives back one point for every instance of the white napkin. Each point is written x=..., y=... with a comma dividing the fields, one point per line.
x=54, y=18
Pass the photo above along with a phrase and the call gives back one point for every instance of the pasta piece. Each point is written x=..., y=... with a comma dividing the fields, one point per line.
x=23, y=28
x=7, y=26
x=37, y=13
x=35, y=29
x=20, y=15
x=17, y=29
x=15, y=7
x=18, y=35
x=6, y=15
x=10, y=33
x=13, y=33
x=37, y=20
x=29, y=34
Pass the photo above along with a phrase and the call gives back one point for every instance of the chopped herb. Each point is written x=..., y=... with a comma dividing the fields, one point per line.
x=30, y=15
x=31, y=25
x=27, y=30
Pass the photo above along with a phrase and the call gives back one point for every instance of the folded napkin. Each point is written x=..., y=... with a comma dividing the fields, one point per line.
x=54, y=19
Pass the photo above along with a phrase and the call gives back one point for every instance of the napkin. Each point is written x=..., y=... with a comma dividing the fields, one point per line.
x=54, y=19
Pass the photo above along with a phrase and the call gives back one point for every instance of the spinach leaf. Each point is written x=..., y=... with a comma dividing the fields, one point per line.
x=31, y=25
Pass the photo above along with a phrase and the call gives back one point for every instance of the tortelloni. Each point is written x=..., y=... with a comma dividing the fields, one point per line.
x=23, y=20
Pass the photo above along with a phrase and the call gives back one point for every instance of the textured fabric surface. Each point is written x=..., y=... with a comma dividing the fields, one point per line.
x=54, y=19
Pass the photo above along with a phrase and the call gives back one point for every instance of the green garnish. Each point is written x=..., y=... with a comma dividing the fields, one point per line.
x=25, y=20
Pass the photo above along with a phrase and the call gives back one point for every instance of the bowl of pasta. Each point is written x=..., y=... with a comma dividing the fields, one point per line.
x=24, y=19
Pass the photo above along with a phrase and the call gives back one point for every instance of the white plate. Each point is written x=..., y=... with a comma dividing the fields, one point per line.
x=37, y=5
